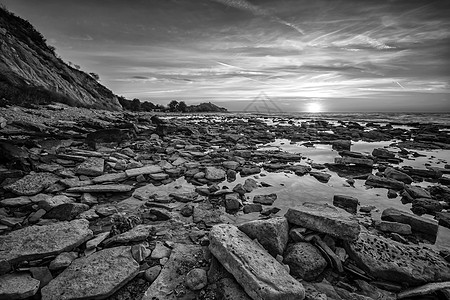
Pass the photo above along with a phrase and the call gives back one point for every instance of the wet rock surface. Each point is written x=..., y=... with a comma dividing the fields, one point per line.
x=71, y=193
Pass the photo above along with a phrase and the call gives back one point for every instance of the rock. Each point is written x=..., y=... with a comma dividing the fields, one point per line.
x=418, y=224
x=430, y=206
x=300, y=170
x=423, y=290
x=136, y=234
x=341, y=144
x=388, y=260
x=18, y=286
x=187, y=210
x=101, y=188
x=322, y=177
x=393, y=227
x=245, y=171
x=32, y=184
x=152, y=273
x=67, y=211
x=96, y=276
x=382, y=153
x=324, y=218
x=150, y=169
x=417, y=192
x=232, y=202
x=391, y=194
x=212, y=173
x=443, y=219
x=50, y=203
x=93, y=166
x=382, y=182
x=196, y=279
x=228, y=288
x=374, y=292
x=348, y=203
x=261, y=275
x=14, y=202
x=36, y=242
x=160, y=251
x=230, y=164
x=170, y=284
x=208, y=214
x=184, y=197
x=346, y=160
x=36, y=216
x=111, y=177
x=42, y=274
x=249, y=185
x=265, y=199
x=304, y=260
x=231, y=175
x=139, y=252
x=63, y=260
x=397, y=175
x=253, y=207
x=272, y=234
x=158, y=176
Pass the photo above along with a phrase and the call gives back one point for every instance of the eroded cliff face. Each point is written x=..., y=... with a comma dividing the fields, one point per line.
x=26, y=61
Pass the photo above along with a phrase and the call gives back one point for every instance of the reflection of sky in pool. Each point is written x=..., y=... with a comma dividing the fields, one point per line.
x=292, y=189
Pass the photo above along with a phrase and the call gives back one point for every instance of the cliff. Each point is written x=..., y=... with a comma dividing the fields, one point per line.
x=31, y=73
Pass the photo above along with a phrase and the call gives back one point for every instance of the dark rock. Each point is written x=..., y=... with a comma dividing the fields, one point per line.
x=196, y=279
x=251, y=208
x=322, y=177
x=383, y=153
x=67, y=211
x=347, y=203
x=381, y=182
x=304, y=260
x=397, y=175
x=265, y=199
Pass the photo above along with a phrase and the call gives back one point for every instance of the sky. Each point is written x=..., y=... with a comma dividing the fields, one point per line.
x=274, y=55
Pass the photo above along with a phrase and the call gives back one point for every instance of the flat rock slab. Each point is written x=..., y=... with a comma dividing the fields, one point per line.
x=143, y=170
x=96, y=276
x=137, y=234
x=392, y=261
x=326, y=219
x=170, y=284
x=424, y=289
x=417, y=223
x=261, y=275
x=32, y=184
x=381, y=182
x=18, y=286
x=111, y=177
x=35, y=242
x=93, y=166
x=212, y=173
x=101, y=188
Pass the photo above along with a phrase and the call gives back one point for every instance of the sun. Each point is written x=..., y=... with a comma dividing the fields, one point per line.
x=313, y=107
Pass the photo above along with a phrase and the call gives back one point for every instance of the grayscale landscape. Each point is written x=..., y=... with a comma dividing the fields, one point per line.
x=224, y=149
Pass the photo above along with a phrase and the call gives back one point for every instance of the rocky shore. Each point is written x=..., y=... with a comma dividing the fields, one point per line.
x=116, y=205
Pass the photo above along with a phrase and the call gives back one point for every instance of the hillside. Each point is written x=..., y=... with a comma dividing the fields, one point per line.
x=30, y=71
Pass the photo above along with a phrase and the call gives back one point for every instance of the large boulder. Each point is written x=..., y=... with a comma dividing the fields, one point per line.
x=304, y=260
x=326, y=219
x=272, y=234
x=388, y=260
x=36, y=242
x=261, y=275
x=96, y=276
